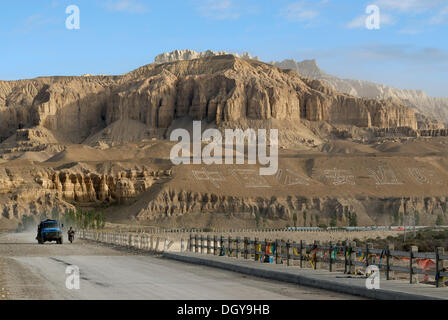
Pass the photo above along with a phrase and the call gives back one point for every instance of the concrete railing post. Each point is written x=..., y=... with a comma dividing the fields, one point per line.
x=315, y=254
x=202, y=244
x=389, y=262
x=369, y=247
x=255, y=249
x=301, y=249
x=209, y=249
x=237, y=248
x=221, y=246
x=439, y=267
x=351, y=257
x=330, y=256
x=215, y=245
x=413, y=250
x=276, y=250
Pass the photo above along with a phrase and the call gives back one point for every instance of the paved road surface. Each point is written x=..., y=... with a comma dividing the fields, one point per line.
x=32, y=271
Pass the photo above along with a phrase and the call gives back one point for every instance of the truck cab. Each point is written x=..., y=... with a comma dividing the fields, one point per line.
x=49, y=230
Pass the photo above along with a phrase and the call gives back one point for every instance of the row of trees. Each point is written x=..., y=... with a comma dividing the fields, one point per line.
x=352, y=220
x=79, y=219
x=84, y=219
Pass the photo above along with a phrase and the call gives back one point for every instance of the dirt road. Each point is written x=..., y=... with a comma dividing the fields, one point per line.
x=32, y=271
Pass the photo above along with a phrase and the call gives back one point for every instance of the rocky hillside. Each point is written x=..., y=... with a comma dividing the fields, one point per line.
x=434, y=111
x=216, y=89
x=435, y=108
x=98, y=141
x=178, y=55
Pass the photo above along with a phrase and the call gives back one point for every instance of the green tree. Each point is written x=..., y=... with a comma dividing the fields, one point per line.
x=257, y=219
x=439, y=220
x=417, y=217
x=294, y=218
x=396, y=217
x=353, y=219
x=333, y=222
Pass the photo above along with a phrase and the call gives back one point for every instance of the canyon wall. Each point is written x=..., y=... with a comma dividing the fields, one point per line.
x=216, y=89
x=435, y=108
x=369, y=210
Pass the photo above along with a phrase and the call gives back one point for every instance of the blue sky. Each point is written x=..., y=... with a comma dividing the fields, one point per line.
x=410, y=50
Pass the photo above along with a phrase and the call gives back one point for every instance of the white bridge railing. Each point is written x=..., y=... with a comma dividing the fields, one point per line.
x=141, y=241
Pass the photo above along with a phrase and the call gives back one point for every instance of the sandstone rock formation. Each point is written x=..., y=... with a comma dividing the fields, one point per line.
x=98, y=140
x=435, y=108
x=216, y=89
x=178, y=55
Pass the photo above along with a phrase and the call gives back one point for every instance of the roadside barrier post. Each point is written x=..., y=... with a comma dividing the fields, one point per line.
x=369, y=248
x=351, y=257
x=246, y=242
x=196, y=246
x=288, y=246
x=202, y=244
x=330, y=256
x=439, y=267
x=190, y=247
x=237, y=249
x=221, y=245
x=255, y=249
x=208, y=245
x=265, y=249
x=302, y=247
x=389, y=262
x=182, y=244
x=315, y=257
x=229, y=245
x=412, y=251
x=276, y=250
x=215, y=244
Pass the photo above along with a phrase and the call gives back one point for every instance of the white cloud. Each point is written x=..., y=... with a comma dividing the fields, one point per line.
x=33, y=22
x=218, y=9
x=397, y=52
x=410, y=6
x=129, y=6
x=441, y=17
x=300, y=11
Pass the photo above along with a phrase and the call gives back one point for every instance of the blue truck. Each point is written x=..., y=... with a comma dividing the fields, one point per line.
x=49, y=230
